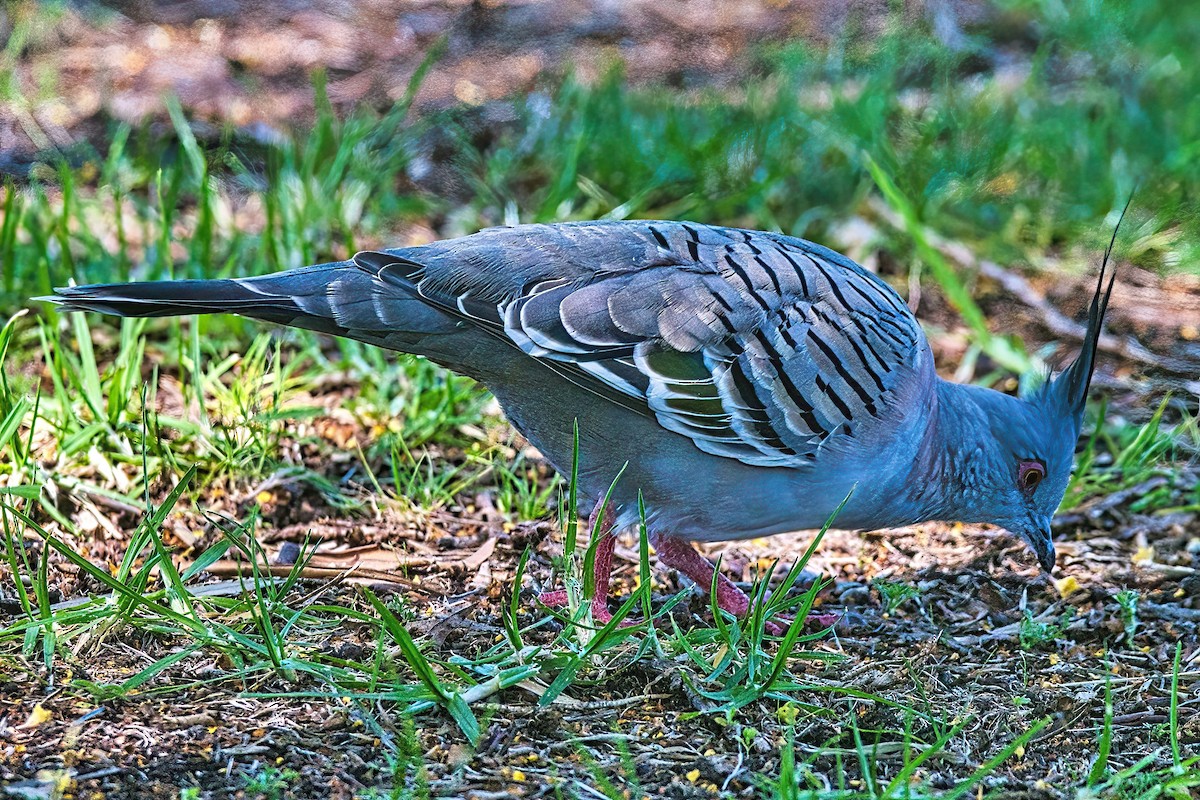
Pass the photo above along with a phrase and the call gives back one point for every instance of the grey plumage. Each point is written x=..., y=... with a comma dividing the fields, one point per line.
x=751, y=380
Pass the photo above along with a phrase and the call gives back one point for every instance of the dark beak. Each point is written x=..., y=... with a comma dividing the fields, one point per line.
x=1043, y=548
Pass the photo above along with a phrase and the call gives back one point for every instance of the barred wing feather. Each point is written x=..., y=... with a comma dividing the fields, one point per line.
x=757, y=347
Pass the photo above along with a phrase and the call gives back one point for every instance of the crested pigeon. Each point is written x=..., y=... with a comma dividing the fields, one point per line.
x=748, y=382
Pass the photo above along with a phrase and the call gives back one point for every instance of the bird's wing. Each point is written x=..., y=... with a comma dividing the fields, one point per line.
x=758, y=347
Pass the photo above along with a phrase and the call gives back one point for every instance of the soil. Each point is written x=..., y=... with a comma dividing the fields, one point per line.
x=956, y=649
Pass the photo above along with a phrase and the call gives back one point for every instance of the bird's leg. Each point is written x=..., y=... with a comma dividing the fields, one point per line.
x=679, y=554
x=601, y=569
x=672, y=552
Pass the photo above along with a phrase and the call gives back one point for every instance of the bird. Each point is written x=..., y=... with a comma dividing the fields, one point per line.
x=743, y=383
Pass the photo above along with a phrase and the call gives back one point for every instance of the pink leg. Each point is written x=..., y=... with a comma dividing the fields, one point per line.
x=679, y=554
x=672, y=552
x=601, y=572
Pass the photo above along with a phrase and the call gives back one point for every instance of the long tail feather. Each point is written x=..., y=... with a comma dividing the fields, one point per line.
x=341, y=298
x=278, y=298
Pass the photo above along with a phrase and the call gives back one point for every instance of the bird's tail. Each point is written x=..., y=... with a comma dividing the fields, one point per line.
x=342, y=298
x=339, y=298
x=286, y=297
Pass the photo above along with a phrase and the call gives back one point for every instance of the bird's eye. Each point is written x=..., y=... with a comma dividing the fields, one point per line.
x=1030, y=475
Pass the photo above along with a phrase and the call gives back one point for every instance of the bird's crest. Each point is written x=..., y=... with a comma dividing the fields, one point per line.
x=1070, y=389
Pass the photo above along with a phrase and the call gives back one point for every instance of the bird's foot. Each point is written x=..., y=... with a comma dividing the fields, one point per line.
x=600, y=613
x=555, y=599
x=731, y=598
x=778, y=626
x=824, y=620
x=678, y=553
x=601, y=570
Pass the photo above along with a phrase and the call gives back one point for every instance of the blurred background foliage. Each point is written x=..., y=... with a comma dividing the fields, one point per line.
x=1022, y=137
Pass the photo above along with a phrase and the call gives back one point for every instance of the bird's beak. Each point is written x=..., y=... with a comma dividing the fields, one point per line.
x=1043, y=547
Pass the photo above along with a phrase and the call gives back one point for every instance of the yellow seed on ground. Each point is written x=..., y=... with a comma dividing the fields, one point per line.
x=693, y=776
x=38, y=716
x=1066, y=586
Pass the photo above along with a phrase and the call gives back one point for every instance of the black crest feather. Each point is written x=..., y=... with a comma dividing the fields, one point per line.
x=1071, y=387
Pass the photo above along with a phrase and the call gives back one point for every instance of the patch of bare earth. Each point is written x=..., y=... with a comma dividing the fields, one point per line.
x=954, y=651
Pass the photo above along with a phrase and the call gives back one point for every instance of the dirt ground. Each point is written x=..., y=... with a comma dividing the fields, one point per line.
x=955, y=649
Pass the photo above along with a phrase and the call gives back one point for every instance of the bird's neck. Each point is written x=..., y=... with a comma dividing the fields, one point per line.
x=949, y=469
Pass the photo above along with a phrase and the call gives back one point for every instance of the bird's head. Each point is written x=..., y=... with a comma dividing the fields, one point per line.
x=1016, y=476
x=1026, y=468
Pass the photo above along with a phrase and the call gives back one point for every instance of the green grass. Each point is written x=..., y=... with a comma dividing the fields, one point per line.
x=272, y=636
x=1027, y=173
x=1019, y=171
x=1149, y=460
x=895, y=593
x=1037, y=633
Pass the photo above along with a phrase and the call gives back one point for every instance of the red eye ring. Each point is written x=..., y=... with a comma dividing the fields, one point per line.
x=1030, y=474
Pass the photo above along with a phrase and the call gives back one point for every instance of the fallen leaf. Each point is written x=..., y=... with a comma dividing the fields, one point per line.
x=38, y=716
x=1067, y=586
x=1144, y=555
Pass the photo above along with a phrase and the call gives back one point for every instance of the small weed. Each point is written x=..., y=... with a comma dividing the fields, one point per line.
x=1034, y=633
x=425, y=482
x=609, y=783
x=894, y=593
x=524, y=490
x=797, y=780
x=1120, y=457
x=409, y=777
x=268, y=782
x=399, y=605
x=1127, y=602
